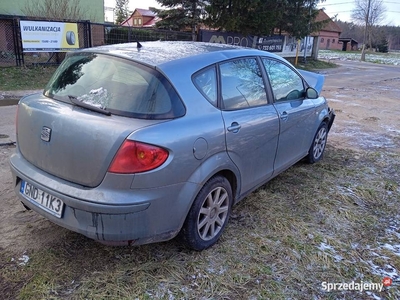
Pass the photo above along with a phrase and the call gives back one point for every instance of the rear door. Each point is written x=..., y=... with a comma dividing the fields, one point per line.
x=251, y=124
x=296, y=113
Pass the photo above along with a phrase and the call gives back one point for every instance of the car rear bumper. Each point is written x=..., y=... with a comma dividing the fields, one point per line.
x=152, y=218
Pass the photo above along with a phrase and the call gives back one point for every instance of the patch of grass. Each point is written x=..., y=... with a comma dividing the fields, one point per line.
x=312, y=223
x=312, y=64
x=25, y=78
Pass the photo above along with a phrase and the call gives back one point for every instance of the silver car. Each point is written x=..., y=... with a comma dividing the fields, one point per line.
x=137, y=143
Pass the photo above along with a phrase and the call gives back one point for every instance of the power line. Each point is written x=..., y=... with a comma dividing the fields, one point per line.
x=342, y=11
x=351, y=2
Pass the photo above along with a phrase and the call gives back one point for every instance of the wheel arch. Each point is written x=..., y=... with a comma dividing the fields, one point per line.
x=218, y=164
x=231, y=177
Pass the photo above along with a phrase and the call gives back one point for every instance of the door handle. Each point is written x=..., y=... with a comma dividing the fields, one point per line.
x=284, y=116
x=235, y=127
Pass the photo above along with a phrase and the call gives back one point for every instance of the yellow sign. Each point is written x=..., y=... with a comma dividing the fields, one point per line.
x=42, y=36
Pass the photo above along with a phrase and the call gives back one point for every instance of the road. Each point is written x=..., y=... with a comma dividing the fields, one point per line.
x=367, y=102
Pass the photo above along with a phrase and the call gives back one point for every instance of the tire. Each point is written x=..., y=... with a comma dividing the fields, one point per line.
x=317, y=147
x=208, y=215
x=70, y=36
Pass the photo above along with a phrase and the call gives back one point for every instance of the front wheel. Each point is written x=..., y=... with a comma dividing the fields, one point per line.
x=208, y=215
x=318, y=145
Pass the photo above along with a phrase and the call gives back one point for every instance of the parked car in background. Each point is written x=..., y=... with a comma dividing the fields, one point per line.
x=137, y=143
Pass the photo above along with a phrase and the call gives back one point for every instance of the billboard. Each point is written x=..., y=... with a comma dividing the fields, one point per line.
x=282, y=45
x=42, y=36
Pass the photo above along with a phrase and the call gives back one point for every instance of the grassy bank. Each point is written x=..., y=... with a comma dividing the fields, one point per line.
x=332, y=221
x=25, y=78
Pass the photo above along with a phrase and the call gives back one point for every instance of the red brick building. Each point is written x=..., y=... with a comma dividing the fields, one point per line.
x=329, y=34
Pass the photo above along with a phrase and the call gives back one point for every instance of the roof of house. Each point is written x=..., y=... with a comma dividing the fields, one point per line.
x=151, y=22
x=348, y=40
x=331, y=25
x=145, y=12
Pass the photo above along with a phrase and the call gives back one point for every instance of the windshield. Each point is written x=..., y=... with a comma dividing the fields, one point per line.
x=120, y=86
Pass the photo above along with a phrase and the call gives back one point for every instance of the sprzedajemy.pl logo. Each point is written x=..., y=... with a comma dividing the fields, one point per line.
x=356, y=286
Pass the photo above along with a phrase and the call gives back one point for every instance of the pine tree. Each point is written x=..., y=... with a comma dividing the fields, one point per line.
x=181, y=15
x=383, y=45
x=121, y=10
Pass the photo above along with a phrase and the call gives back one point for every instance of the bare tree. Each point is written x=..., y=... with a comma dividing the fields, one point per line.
x=370, y=13
x=56, y=9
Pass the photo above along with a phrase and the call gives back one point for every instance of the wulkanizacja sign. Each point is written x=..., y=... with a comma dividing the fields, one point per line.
x=282, y=45
x=42, y=36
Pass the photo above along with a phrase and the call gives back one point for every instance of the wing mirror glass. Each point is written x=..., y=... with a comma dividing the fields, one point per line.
x=311, y=93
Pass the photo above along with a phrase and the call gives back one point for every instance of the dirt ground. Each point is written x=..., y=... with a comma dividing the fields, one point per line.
x=365, y=97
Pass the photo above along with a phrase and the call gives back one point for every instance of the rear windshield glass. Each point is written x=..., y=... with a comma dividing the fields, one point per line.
x=120, y=86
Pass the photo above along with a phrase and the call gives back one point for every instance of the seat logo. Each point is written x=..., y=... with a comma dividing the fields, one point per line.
x=45, y=134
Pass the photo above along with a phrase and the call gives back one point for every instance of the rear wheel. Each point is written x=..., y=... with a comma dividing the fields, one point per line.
x=318, y=145
x=208, y=215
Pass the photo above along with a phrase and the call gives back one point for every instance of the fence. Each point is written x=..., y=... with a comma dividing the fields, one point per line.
x=9, y=48
x=90, y=34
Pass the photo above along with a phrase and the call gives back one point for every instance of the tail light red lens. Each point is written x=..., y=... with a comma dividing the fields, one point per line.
x=136, y=157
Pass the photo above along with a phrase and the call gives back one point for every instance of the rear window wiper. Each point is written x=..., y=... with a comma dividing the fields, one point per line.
x=77, y=102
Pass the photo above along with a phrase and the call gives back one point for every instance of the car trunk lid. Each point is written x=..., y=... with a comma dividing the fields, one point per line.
x=71, y=142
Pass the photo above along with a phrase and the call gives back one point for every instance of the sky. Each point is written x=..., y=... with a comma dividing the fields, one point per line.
x=135, y=4
x=341, y=8
x=145, y=4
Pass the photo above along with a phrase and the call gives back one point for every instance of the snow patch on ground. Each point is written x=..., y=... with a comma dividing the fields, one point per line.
x=392, y=58
x=23, y=260
x=388, y=245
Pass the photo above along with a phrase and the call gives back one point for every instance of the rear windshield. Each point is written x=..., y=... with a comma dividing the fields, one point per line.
x=120, y=86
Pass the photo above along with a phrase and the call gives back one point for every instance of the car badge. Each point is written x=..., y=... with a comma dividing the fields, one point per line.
x=45, y=134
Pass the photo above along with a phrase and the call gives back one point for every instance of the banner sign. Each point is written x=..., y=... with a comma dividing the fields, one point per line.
x=282, y=45
x=270, y=43
x=226, y=38
x=42, y=36
x=306, y=44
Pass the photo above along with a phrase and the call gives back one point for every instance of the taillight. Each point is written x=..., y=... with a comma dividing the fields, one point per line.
x=136, y=157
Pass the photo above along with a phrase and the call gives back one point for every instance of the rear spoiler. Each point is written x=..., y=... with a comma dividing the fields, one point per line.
x=313, y=79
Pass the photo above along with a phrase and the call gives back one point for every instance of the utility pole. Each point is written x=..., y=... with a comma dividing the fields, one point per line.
x=365, y=31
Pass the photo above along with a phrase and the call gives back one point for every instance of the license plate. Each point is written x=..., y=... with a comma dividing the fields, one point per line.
x=44, y=200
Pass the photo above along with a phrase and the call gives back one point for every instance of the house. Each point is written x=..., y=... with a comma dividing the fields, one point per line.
x=141, y=18
x=329, y=34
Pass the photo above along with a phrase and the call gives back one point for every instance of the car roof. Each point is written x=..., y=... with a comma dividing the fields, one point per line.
x=157, y=53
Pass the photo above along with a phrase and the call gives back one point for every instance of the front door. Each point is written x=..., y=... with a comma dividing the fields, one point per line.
x=296, y=113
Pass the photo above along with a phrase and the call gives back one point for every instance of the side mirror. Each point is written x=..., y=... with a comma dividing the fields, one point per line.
x=311, y=93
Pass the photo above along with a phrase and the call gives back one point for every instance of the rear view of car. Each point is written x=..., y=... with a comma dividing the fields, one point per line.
x=131, y=145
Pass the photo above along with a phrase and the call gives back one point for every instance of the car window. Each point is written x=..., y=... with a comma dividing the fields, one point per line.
x=121, y=86
x=286, y=83
x=206, y=83
x=242, y=84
